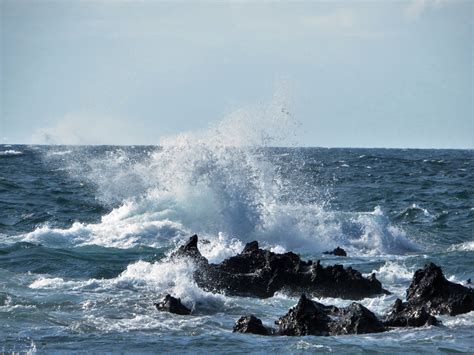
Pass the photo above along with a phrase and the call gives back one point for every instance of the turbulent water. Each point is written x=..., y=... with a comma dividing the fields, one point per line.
x=85, y=233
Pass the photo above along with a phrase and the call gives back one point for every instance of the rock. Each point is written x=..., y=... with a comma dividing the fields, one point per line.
x=250, y=324
x=260, y=273
x=172, y=305
x=338, y=252
x=356, y=319
x=409, y=315
x=306, y=318
x=430, y=289
x=190, y=250
x=312, y=318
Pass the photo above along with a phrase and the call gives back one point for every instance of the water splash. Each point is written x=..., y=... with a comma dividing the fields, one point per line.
x=220, y=183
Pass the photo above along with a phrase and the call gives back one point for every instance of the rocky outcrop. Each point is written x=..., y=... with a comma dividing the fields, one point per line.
x=306, y=318
x=313, y=318
x=430, y=289
x=409, y=315
x=250, y=324
x=355, y=319
x=257, y=272
x=429, y=294
x=338, y=252
x=172, y=305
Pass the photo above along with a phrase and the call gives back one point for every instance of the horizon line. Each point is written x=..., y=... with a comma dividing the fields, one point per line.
x=284, y=147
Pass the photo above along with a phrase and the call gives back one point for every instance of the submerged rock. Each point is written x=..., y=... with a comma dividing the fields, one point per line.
x=172, y=305
x=250, y=324
x=430, y=289
x=338, y=252
x=257, y=272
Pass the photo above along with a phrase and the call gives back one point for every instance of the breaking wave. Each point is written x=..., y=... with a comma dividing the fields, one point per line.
x=221, y=184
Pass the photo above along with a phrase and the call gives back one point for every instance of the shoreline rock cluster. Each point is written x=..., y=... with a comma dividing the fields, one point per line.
x=260, y=273
x=257, y=272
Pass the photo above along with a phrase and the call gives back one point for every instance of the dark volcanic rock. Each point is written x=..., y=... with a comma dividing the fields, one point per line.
x=356, y=319
x=190, y=250
x=338, y=252
x=306, y=318
x=260, y=273
x=408, y=315
x=429, y=288
x=312, y=318
x=172, y=305
x=250, y=324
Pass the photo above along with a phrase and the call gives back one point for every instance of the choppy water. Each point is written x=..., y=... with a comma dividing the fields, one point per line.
x=84, y=234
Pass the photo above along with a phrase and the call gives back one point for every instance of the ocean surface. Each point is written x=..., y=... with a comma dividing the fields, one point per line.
x=85, y=233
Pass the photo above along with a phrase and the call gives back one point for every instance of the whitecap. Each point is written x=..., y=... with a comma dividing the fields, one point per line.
x=10, y=152
x=465, y=246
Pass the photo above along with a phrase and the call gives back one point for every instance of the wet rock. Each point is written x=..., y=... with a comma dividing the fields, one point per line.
x=338, y=252
x=355, y=319
x=409, y=315
x=430, y=289
x=306, y=318
x=312, y=318
x=250, y=324
x=172, y=305
x=257, y=272
x=190, y=250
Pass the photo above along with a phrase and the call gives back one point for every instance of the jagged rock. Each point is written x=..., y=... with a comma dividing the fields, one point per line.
x=408, y=315
x=312, y=318
x=338, y=252
x=356, y=319
x=260, y=273
x=306, y=318
x=430, y=289
x=190, y=250
x=172, y=305
x=250, y=324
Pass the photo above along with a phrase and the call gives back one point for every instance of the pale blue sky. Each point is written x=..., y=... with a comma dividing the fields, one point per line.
x=361, y=74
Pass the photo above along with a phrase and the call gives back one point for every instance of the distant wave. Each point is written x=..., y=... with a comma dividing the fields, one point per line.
x=10, y=152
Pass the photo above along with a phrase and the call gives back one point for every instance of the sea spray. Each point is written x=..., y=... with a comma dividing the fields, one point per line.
x=223, y=184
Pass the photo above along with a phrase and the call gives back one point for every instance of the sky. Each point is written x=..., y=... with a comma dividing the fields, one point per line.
x=357, y=73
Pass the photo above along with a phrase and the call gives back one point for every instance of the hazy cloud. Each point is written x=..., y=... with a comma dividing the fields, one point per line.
x=87, y=129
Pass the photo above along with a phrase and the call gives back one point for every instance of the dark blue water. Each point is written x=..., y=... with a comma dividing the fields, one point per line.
x=85, y=231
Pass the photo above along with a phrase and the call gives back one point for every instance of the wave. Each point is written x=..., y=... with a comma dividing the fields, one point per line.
x=60, y=153
x=10, y=152
x=466, y=246
x=222, y=185
x=415, y=213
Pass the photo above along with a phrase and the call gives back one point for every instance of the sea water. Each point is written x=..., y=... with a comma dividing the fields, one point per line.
x=86, y=231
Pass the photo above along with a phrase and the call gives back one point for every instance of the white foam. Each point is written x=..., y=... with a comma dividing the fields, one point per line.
x=394, y=273
x=220, y=185
x=466, y=246
x=461, y=320
x=60, y=153
x=10, y=152
x=159, y=278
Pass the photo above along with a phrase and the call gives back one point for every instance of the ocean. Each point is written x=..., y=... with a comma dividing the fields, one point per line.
x=85, y=232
